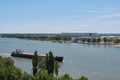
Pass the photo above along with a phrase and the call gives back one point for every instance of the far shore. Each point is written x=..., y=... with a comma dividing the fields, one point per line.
x=62, y=41
x=70, y=41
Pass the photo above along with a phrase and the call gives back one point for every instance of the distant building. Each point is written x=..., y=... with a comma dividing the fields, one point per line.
x=79, y=34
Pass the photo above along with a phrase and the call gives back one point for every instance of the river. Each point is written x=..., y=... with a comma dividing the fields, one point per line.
x=97, y=62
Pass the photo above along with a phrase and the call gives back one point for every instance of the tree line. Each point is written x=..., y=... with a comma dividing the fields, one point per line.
x=99, y=40
x=38, y=37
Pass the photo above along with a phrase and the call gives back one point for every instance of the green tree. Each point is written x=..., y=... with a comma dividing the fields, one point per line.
x=99, y=40
x=110, y=40
x=66, y=38
x=83, y=40
x=50, y=63
x=94, y=40
x=105, y=40
x=8, y=71
x=88, y=40
x=42, y=63
x=26, y=76
x=56, y=68
x=35, y=62
x=83, y=78
x=116, y=41
x=66, y=77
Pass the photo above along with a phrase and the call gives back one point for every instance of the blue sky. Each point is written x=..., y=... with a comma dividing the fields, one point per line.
x=56, y=16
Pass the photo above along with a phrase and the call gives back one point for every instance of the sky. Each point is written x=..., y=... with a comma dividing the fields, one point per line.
x=56, y=16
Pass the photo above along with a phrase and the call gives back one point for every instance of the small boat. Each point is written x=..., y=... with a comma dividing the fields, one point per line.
x=20, y=53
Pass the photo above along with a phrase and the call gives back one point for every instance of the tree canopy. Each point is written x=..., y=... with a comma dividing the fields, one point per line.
x=9, y=72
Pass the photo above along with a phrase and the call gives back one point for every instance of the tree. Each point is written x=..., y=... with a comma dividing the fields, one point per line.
x=56, y=68
x=42, y=63
x=83, y=78
x=8, y=71
x=66, y=77
x=110, y=40
x=47, y=62
x=26, y=76
x=83, y=40
x=94, y=40
x=99, y=40
x=116, y=41
x=66, y=38
x=105, y=40
x=50, y=63
x=88, y=40
x=35, y=62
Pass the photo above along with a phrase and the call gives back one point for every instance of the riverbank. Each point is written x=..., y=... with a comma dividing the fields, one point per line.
x=78, y=42
x=110, y=44
x=67, y=39
x=68, y=42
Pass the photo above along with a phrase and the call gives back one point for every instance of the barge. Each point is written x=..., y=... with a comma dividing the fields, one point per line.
x=20, y=53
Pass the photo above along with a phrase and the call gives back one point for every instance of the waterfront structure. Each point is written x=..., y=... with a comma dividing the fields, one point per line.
x=79, y=34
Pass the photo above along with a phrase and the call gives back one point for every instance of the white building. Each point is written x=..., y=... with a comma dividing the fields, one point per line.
x=79, y=34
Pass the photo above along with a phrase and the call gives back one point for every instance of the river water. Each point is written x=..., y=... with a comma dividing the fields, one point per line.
x=97, y=62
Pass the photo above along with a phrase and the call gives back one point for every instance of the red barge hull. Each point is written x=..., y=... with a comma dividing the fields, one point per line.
x=30, y=56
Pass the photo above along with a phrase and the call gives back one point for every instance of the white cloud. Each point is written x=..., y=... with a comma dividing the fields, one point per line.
x=115, y=15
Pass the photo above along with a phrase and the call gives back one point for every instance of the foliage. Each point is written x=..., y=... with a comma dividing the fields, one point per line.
x=116, y=41
x=66, y=77
x=83, y=40
x=98, y=39
x=38, y=37
x=105, y=39
x=35, y=63
x=50, y=63
x=56, y=68
x=9, y=72
x=26, y=76
x=94, y=40
x=88, y=40
x=83, y=78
